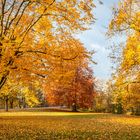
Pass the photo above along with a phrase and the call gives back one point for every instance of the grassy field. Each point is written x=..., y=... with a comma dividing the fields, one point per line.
x=67, y=126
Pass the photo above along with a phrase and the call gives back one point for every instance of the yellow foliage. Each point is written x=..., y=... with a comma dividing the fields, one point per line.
x=127, y=82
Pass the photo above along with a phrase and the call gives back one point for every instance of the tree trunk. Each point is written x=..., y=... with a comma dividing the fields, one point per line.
x=6, y=104
x=11, y=103
x=19, y=103
x=3, y=79
x=132, y=110
x=119, y=109
x=23, y=102
x=74, y=107
x=137, y=110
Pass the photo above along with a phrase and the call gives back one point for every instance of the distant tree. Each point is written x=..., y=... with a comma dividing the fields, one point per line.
x=127, y=76
x=17, y=92
x=102, y=99
x=8, y=94
x=78, y=93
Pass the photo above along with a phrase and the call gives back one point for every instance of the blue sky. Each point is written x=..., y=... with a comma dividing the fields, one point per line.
x=95, y=39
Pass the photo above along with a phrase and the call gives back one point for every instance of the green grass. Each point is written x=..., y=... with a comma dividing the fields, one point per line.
x=68, y=125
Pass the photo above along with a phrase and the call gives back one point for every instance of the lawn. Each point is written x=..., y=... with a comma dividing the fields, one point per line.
x=68, y=126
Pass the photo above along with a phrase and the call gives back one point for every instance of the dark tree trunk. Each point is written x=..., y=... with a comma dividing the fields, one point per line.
x=2, y=81
x=132, y=110
x=74, y=107
x=6, y=104
x=11, y=103
x=19, y=103
x=137, y=110
x=119, y=109
x=23, y=102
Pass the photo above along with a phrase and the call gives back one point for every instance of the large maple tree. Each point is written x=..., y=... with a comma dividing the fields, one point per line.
x=31, y=31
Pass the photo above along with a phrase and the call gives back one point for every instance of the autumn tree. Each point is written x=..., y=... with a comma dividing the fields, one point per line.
x=71, y=83
x=19, y=94
x=8, y=94
x=31, y=31
x=102, y=101
x=83, y=89
x=27, y=97
x=79, y=93
x=126, y=20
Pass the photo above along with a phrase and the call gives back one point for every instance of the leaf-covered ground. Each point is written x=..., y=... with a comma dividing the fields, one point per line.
x=68, y=126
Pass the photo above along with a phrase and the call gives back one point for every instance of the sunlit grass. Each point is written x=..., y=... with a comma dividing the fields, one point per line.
x=46, y=114
x=68, y=125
